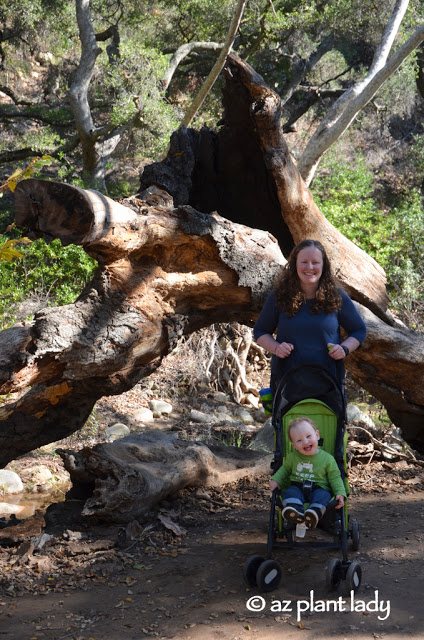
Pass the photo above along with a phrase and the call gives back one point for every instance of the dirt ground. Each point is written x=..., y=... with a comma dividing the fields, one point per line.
x=184, y=579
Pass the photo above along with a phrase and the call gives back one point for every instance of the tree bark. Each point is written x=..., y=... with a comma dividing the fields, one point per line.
x=390, y=365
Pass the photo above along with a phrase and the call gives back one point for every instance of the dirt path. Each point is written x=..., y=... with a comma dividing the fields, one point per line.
x=97, y=584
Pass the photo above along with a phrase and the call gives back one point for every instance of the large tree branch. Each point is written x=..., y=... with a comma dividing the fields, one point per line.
x=358, y=273
x=17, y=99
x=163, y=272
x=391, y=367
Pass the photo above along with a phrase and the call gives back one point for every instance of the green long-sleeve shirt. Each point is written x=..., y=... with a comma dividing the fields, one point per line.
x=321, y=468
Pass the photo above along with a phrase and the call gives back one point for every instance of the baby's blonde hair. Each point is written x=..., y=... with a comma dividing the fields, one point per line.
x=296, y=422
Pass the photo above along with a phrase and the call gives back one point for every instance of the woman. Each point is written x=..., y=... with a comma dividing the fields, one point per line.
x=306, y=309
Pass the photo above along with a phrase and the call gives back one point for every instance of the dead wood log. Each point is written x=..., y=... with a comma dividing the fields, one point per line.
x=390, y=365
x=162, y=273
x=130, y=476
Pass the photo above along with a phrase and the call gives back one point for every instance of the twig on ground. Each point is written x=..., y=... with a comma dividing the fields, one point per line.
x=207, y=499
x=409, y=456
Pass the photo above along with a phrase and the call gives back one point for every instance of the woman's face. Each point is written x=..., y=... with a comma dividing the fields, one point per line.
x=309, y=265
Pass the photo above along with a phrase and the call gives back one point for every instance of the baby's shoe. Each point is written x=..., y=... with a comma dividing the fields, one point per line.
x=312, y=516
x=293, y=514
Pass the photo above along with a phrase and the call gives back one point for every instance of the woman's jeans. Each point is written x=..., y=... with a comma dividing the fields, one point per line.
x=318, y=497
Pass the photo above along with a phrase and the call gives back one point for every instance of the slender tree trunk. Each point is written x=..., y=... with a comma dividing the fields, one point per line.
x=218, y=66
x=93, y=161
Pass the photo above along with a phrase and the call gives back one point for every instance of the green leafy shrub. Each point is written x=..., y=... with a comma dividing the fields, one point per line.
x=391, y=233
x=44, y=275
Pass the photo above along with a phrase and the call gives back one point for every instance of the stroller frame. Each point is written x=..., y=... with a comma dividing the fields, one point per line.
x=309, y=389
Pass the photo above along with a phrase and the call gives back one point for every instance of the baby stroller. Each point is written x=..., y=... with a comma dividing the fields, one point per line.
x=309, y=390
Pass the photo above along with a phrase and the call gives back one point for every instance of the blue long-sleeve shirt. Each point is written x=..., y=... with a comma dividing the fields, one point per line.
x=309, y=333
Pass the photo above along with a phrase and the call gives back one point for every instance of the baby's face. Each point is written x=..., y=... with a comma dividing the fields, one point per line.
x=305, y=438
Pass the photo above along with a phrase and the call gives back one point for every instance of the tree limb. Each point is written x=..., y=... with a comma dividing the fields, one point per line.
x=17, y=99
x=303, y=67
x=29, y=115
x=162, y=272
x=182, y=52
x=358, y=273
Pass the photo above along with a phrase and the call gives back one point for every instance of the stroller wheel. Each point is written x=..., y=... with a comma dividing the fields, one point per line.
x=290, y=535
x=334, y=574
x=268, y=576
x=353, y=576
x=250, y=568
x=355, y=535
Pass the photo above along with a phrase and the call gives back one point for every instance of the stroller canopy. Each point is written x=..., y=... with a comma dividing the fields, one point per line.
x=308, y=381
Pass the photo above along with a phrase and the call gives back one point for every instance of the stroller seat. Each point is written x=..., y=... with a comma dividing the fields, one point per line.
x=309, y=390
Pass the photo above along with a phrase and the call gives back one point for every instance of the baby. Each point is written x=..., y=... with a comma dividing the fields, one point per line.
x=313, y=475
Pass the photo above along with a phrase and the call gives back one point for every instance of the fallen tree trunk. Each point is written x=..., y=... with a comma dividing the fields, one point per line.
x=128, y=477
x=390, y=366
x=162, y=273
x=167, y=269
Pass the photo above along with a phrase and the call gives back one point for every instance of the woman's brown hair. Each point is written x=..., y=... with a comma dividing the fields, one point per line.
x=288, y=293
